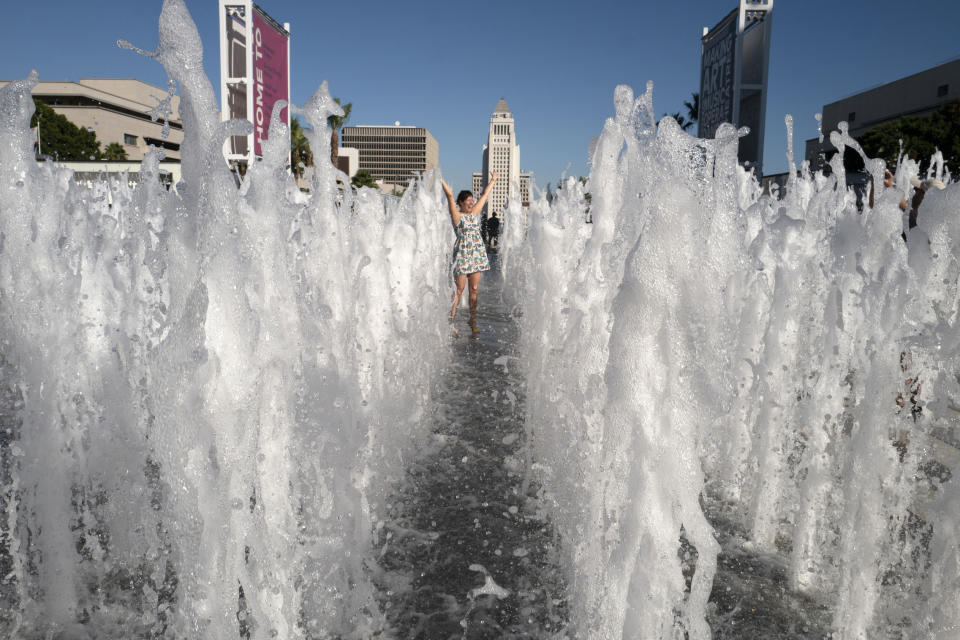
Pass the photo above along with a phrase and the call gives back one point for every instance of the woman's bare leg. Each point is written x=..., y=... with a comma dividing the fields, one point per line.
x=460, y=282
x=474, y=281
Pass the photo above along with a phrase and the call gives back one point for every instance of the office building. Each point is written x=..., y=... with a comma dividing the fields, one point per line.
x=525, y=177
x=392, y=154
x=116, y=110
x=919, y=94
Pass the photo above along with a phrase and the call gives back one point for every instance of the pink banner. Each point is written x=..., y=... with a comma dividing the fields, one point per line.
x=270, y=77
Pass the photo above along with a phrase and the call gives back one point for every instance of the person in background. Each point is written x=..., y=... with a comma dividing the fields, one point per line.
x=493, y=231
x=920, y=188
x=907, y=397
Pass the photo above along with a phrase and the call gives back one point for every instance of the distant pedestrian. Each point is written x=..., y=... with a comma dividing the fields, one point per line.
x=493, y=231
x=920, y=188
x=469, y=253
x=907, y=397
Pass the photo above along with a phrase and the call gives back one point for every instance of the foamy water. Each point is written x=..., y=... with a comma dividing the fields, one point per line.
x=211, y=392
x=703, y=343
x=214, y=387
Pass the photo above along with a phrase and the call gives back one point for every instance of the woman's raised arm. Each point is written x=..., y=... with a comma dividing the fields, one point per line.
x=451, y=202
x=486, y=192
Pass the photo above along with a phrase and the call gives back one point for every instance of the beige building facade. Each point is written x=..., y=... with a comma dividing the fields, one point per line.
x=525, y=177
x=116, y=110
x=90, y=172
x=392, y=154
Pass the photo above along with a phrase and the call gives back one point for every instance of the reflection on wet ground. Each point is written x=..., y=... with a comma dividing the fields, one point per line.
x=465, y=553
x=751, y=599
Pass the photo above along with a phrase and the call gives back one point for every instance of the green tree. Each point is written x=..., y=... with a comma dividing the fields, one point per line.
x=683, y=122
x=693, y=107
x=114, y=152
x=336, y=123
x=921, y=135
x=693, y=112
x=301, y=156
x=60, y=138
x=362, y=178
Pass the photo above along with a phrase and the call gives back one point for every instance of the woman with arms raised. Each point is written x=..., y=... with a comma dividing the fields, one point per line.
x=469, y=254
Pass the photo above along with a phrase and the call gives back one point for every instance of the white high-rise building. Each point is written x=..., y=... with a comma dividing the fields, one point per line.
x=500, y=154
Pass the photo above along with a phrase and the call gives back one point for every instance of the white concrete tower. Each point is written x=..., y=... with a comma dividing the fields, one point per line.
x=501, y=154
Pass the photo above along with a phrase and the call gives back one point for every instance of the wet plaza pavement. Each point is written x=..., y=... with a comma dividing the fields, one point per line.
x=466, y=552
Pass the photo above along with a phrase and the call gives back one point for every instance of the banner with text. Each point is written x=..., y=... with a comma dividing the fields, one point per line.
x=717, y=76
x=270, y=75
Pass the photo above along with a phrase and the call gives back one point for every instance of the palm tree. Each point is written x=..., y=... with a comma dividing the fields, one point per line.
x=693, y=107
x=301, y=156
x=337, y=123
x=114, y=152
x=683, y=122
x=363, y=179
x=693, y=112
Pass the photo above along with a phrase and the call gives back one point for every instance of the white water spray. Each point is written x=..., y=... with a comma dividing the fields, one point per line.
x=213, y=390
x=700, y=345
x=216, y=388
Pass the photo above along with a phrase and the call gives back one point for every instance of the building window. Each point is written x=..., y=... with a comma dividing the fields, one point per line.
x=852, y=116
x=942, y=90
x=130, y=140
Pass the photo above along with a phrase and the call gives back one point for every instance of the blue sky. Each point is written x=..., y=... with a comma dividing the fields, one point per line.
x=444, y=65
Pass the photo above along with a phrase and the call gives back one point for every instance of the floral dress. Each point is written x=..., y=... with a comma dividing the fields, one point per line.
x=469, y=254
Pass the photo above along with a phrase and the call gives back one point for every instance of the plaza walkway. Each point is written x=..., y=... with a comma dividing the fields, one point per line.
x=468, y=556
